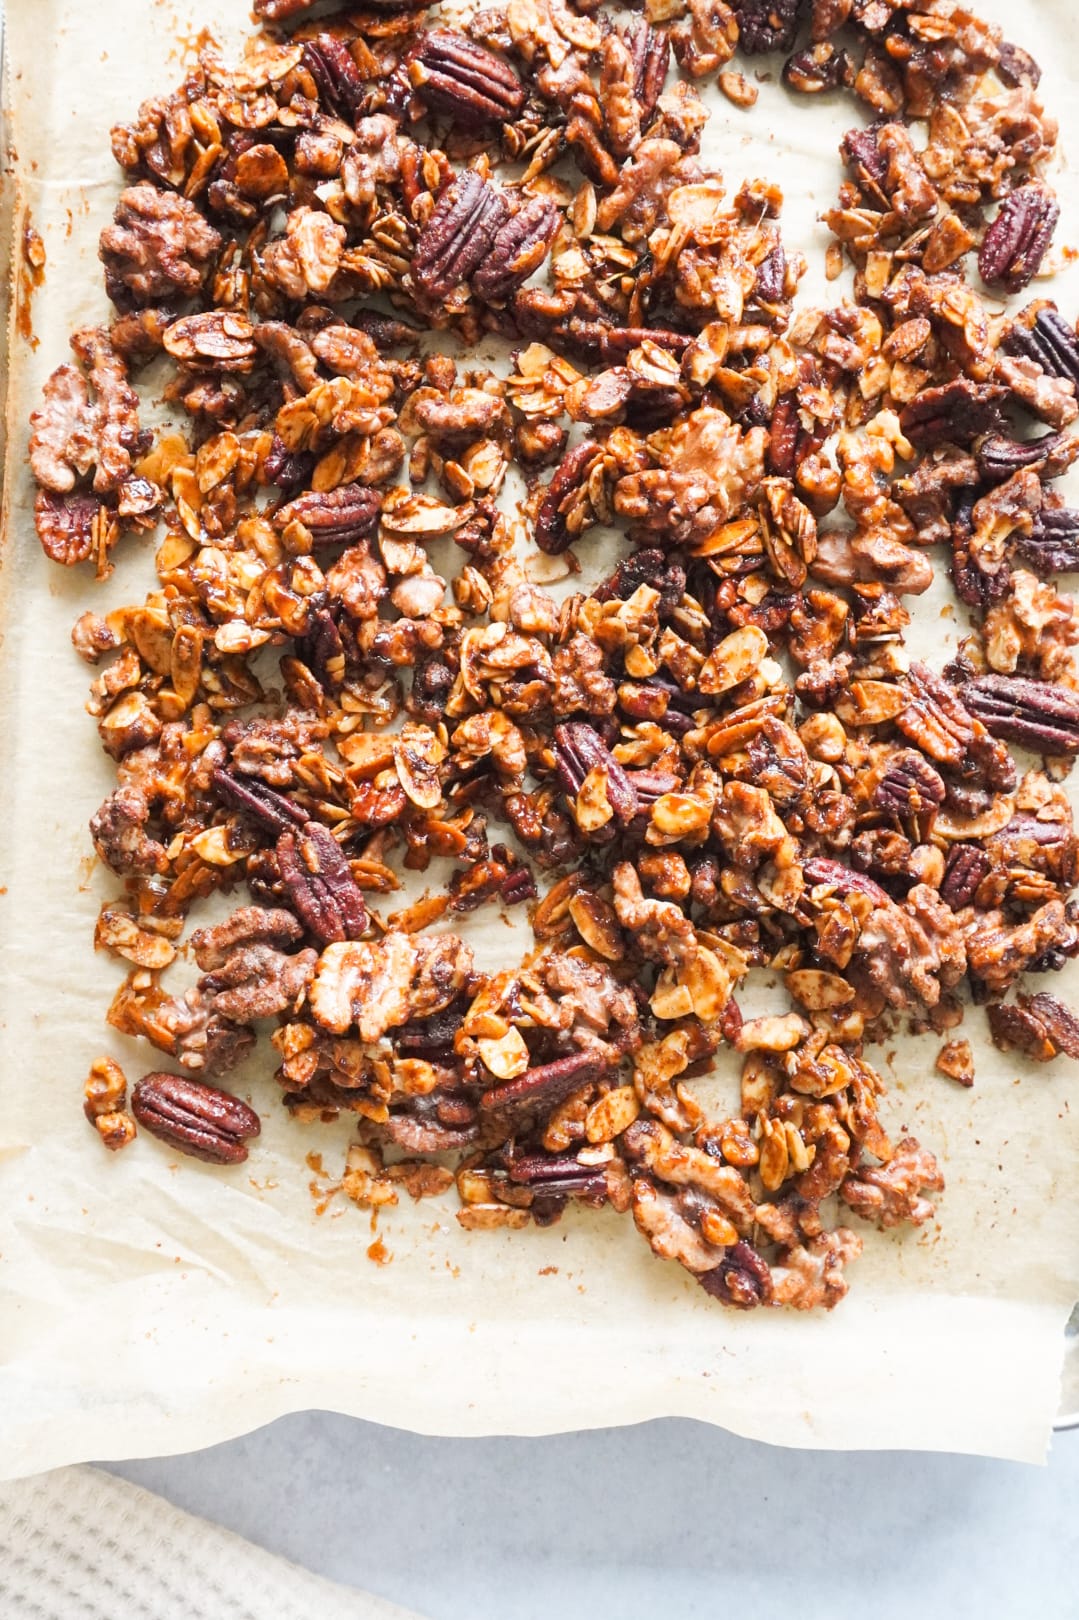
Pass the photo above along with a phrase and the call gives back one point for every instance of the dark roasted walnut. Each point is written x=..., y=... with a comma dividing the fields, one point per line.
x=196, y=1118
x=1016, y=66
x=818, y=67
x=766, y=25
x=256, y=981
x=1034, y=714
x=251, y=925
x=459, y=234
x=467, y=83
x=159, y=246
x=1015, y=243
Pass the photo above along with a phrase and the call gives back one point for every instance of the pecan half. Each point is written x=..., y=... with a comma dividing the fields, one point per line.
x=742, y=1279
x=1052, y=546
x=333, y=68
x=1039, y=1025
x=1014, y=245
x=459, y=234
x=249, y=794
x=954, y=413
x=580, y=750
x=319, y=884
x=546, y=1084
x=999, y=456
x=1034, y=714
x=555, y=1174
x=908, y=785
x=1050, y=342
x=571, y=474
x=966, y=866
x=198, y=1119
x=65, y=525
x=1059, y=341
x=650, y=49
x=334, y=517
x=468, y=83
x=518, y=250
x=935, y=718
x=819, y=869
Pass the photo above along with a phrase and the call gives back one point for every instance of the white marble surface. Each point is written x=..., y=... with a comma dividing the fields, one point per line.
x=671, y=1518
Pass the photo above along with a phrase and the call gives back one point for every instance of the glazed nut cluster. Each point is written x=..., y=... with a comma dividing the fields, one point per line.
x=721, y=756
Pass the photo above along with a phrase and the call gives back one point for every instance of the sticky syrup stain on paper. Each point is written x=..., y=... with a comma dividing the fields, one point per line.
x=322, y=1190
x=31, y=275
x=189, y=47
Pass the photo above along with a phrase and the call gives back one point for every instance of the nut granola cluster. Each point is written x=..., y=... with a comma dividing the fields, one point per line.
x=719, y=758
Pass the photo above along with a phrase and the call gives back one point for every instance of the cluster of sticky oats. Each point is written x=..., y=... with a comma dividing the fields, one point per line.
x=290, y=230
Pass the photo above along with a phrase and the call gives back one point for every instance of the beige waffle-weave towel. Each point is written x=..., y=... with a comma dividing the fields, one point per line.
x=79, y=1545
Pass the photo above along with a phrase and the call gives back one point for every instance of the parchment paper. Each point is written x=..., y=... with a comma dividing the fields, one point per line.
x=149, y=1304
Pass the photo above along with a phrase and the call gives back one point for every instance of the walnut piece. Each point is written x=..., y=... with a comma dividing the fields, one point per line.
x=891, y=1194
x=379, y=986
